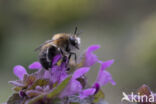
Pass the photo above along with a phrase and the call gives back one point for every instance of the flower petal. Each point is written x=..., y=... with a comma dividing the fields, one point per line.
x=97, y=87
x=90, y=58
x=22, y=94
x=74, y=87
x=19, y=71
x=79, y=72
x=104, y=76
x=16, y=83
x=47, y=74
x=56, y=59
x=93, y=48
x=87, y=92
x=106, y=64
x=38, y=88
x=35, y=65
x=58, y=73
x=33, y=93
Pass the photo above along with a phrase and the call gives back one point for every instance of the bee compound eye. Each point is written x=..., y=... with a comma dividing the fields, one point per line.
x=73, y=41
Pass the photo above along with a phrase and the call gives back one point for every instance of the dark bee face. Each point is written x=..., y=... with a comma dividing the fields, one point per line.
x=74, y=41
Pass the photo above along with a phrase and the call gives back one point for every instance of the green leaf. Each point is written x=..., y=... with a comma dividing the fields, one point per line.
x=56, y=101
x=99, y=95
x=36, y=99
x=59, y=88
x=74, y=103
x=55, y=92
x=15, y=99
x=29, y=79
x=17, y=89
x=39, y=82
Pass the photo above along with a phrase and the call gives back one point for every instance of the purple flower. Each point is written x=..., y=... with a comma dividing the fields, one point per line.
x=22, y=94
x=45, y=82
x=33, y=93
x=47, y=75
x=97, y=87
x=74, y=85
x=104, y=76
x=58, y=73
x=35, y=65
x=72, y=88
x=87, y=92
x=16, y=83
x=90, y=57
x=56, y=59
x=80, y=72
x=19, y=71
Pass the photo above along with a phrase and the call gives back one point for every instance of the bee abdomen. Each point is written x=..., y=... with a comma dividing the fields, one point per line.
x=52, y=52
x=45, y=64
x=46, y=57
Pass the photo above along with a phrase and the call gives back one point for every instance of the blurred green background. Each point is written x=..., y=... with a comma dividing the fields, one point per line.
x=125, y=29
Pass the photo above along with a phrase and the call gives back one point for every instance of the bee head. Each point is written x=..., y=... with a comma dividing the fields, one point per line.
x=74, y=41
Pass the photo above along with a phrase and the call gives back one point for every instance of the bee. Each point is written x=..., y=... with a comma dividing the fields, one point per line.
x=61, y=43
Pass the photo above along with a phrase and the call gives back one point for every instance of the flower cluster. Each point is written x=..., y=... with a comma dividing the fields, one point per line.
x=57, y=85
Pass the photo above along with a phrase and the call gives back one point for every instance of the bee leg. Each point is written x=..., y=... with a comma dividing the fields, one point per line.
x=68, y=62
x=65, y=59
x=69, y=57
x=61, y=52
x=75, y=56
x=64, y=56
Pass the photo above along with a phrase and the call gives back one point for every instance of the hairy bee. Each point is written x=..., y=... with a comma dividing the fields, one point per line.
x=61, y=43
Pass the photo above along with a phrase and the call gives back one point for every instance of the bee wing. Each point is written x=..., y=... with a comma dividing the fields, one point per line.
x=38, y=48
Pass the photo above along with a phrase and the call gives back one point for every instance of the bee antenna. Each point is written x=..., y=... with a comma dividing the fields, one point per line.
x=75, y=30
